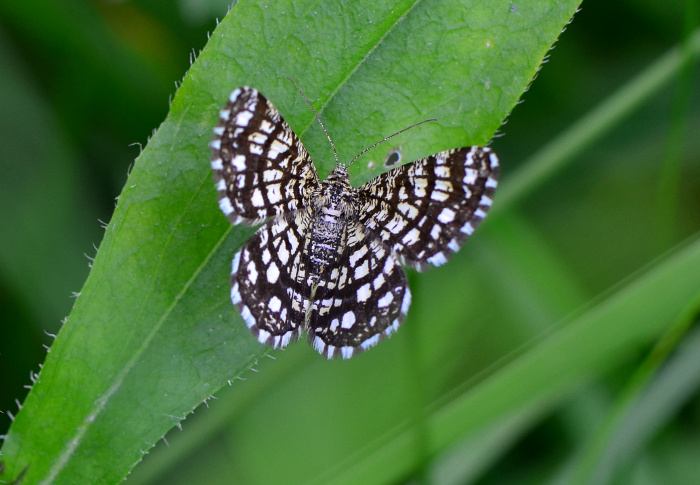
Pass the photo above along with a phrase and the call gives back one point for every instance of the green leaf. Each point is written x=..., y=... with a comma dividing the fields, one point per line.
x=153, y=333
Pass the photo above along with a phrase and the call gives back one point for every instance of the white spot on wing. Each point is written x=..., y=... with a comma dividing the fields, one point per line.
x=252, y=272
x=442, y=171
x=378, y=281
x=286, y=337
x=439, y=195
x=276, y=147
x=370, y=342
x=272, y=175
x=392, y=328
x=406, y=208
x=419, y=187
x=234, y=263
x=239, y=162
x=257, y=137
x=386, y=300
x=243, y=118
x=437, y=259
x=263, y=335
x=470, y=176
x=411, y=237
x=234, y=95
x=274, y=193
x=319, y=345
x=355, y=257
x=364, y=292
x=362, y=270
x=273, y=273
x=406, y=301
x=257, y=198
x=446, y=216
x=397, y=224
x=282, y=253
x=293, y=241
x=247, y=317
x=235, y=294
x=225, y=205
x=348, y=320
x=275, y=304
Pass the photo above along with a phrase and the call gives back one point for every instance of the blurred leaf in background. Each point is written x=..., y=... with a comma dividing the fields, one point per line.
x=554, y=348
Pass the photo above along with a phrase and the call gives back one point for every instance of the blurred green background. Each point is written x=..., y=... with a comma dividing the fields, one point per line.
x=82, y=87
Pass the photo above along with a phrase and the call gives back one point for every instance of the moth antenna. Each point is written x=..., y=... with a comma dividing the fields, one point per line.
x=388, y=137
x=318, y=118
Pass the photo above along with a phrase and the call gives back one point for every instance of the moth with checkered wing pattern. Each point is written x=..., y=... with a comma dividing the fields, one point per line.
x=327, y=259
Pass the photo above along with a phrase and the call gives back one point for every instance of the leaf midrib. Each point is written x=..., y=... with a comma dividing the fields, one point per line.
x=352, y=71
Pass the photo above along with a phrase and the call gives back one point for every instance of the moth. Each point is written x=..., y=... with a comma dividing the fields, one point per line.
x=327, y=260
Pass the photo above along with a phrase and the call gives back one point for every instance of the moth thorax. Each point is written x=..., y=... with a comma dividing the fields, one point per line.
x=332, y=206
x=339, y=173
